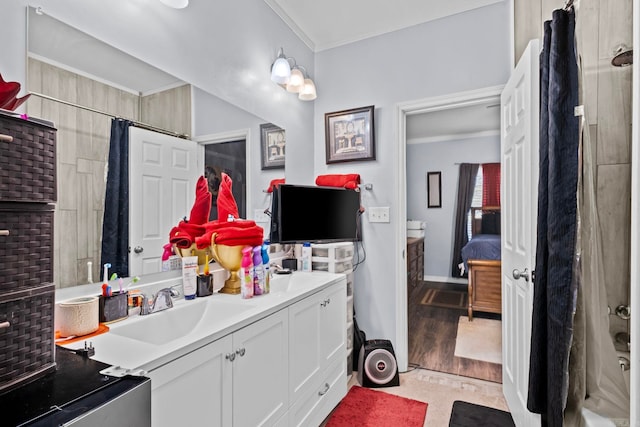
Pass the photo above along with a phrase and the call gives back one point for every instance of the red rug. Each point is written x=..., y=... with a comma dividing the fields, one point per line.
x=371, y=408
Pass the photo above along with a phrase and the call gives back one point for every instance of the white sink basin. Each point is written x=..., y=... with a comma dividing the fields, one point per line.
x=165, y=326
x=280, y=283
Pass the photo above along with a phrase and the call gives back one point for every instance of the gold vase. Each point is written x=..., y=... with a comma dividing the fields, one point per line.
x=230, y=258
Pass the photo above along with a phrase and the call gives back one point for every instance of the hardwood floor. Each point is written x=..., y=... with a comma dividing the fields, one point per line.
x=432, y=336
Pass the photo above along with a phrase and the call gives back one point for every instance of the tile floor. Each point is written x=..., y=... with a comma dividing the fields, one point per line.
x=439, y=390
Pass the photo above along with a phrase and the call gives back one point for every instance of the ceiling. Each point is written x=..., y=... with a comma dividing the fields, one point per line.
x=316, y=23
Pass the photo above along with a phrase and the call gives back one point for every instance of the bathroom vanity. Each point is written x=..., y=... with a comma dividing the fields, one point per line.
x=275, y=359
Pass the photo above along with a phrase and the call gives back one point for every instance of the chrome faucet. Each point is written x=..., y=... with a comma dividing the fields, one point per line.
x=161, y=301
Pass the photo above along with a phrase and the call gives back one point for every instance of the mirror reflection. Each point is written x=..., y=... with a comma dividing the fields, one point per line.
x=96, y=82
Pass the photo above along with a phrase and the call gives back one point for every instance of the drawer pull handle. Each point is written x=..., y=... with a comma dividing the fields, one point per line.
x=4, y=232
x=4, y=325
x=325, y=390
x=240, y=352
x=230, y=357
x=6, y=138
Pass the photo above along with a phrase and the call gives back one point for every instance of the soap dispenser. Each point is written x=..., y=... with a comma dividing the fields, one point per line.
x=246, y=276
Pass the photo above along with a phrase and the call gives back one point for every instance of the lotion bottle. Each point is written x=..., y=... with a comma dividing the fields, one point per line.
x=306, y=256
x=246, y=276
x=258, y=271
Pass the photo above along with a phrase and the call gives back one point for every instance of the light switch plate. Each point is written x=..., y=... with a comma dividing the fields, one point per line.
x=378, y=214
x=260, y=216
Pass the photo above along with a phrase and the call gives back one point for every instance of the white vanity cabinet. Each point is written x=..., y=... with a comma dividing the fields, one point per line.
x=287, y=368
x=237, y=380
x=317, y=372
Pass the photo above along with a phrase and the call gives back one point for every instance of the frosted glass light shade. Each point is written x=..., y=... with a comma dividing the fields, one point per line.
x=296, y=81
x=308, y=92
x=176, y=4
x=280, y=71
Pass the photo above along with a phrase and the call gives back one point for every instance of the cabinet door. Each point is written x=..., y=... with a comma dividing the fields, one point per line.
x=194, y=389
x=304, y=340
x=260, y=371
x=333, y=321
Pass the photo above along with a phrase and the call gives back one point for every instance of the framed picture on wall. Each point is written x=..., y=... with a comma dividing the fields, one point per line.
x=434, y=190
x=350, y=135
x=272, y=142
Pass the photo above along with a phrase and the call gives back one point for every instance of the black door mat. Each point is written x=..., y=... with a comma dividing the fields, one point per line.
x=465, y=414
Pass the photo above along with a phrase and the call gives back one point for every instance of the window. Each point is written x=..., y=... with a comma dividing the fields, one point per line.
x=476, y=202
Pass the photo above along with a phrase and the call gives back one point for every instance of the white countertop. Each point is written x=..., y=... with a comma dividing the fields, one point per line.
x=133, y=356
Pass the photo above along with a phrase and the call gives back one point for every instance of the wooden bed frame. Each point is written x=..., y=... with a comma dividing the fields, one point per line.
x=485, y=276
x=485, y=288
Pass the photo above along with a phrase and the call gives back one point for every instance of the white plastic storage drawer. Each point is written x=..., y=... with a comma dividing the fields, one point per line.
x=349, y=284
x=349, y=308
x=321, y=264
x=333, y=251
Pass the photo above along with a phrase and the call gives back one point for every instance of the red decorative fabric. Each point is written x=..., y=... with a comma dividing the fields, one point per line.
x=274, y=183
x=227, y=231
x=185, y=234
x=226, y=202
x=202, y=206
x=491, y=184
x=349, y=181
x=371, y=408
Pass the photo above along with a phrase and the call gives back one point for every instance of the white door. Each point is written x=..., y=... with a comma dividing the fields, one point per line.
x=162, y=189
x=519, y=147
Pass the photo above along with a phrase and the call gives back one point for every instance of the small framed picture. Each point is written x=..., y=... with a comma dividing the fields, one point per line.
x=272, y=141
x=350, y=135
x=434, y=189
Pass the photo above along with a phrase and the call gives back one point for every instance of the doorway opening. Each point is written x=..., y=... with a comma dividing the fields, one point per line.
x=426, y=131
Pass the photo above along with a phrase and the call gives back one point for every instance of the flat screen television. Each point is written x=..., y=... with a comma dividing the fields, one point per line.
x=314, y=214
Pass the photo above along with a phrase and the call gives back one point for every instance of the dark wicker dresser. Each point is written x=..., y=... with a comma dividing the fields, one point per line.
x=27, y=197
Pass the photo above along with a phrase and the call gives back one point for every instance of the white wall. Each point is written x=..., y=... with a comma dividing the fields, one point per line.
x=444, y=157
x=463, y=52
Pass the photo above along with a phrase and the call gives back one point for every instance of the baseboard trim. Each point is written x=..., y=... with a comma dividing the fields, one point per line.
x=445, y=279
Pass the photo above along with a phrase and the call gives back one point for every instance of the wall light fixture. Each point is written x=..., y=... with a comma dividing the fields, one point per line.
x=176, y=4
x=292, y=77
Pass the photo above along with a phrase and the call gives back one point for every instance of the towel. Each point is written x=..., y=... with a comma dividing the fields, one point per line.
x=235, y=236
x=274, y=183
x=202, y=206
x=216, y=226
x=185, y=233
x=349, y=181
x=226, y=202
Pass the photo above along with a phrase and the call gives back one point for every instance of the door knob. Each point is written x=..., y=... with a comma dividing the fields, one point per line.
x=138, y=249
x=517, y=274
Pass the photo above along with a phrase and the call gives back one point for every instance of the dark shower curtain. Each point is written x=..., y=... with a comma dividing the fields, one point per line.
x=555, y=283
x=466, y=185
x=115, y=226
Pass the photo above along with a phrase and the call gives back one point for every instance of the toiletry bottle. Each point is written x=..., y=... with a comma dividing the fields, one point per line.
x=246, y=276
x=189, y=276
x=306, y=256
x=258, y=271
x=166, y=255
x=265, y=264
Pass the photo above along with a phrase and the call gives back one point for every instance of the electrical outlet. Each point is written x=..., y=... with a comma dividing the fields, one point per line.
x=378, y=214
x=260, y=216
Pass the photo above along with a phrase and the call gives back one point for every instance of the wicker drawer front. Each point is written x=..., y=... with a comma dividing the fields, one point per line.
x=28, y=163
x=26, y=253
x=27, y=347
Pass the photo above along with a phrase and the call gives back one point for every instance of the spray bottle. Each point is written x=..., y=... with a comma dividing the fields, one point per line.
x=265, y=264
x=166, y=255
x=246, y=276
x=258, y=271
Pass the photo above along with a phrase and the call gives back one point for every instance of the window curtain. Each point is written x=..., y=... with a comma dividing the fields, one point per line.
x=115, y=226
x=555, y=290
x=491, y=184
x=466, y=185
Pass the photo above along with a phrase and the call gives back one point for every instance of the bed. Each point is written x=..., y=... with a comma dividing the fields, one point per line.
x=482, y=261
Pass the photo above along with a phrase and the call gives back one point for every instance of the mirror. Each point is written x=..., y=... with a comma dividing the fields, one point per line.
x=64, y=63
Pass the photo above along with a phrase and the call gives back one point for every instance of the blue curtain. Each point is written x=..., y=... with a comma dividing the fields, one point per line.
x=115, y=226
x=555, y=284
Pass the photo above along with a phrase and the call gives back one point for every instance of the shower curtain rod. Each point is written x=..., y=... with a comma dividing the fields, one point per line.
x=93, y=110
